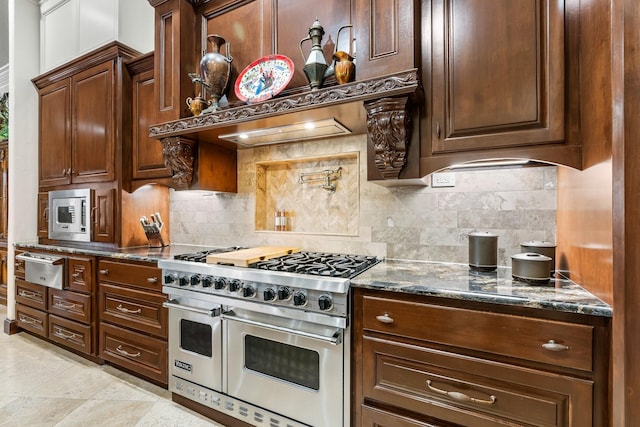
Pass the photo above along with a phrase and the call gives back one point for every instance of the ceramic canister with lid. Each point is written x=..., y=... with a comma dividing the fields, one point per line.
x=483, y=250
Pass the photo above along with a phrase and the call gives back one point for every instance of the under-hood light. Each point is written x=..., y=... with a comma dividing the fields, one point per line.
x=293, y=132
x=490, y=164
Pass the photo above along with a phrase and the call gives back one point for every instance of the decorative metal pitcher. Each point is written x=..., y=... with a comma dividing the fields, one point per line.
x=343, y=62
x=215, y=69
x=315, y=66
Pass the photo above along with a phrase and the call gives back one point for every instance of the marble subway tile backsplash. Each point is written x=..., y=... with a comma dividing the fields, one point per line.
x=410, y=222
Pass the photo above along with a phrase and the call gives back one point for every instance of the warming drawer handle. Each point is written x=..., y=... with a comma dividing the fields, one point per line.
x=461, y=396
x=335, y=339
x=385, y=318
x=173, y=304
x=120, y=350
x=28, y=257
x=551, y=345
x=126, y=310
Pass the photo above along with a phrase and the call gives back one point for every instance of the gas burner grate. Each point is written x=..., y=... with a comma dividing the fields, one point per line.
x=319, y=264
x=202, y=255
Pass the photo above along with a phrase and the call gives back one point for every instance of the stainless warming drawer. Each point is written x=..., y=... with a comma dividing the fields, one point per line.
x=43, y=269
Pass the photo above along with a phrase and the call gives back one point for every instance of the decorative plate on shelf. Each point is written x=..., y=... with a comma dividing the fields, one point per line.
x=264, y=78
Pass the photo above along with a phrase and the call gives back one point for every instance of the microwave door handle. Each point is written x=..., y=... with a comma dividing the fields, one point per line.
x=334, y=339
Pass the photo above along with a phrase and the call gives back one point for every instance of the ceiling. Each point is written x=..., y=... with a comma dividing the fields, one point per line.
x=4, y=33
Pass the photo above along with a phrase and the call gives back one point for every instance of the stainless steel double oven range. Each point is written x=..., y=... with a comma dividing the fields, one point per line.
x=268, y=344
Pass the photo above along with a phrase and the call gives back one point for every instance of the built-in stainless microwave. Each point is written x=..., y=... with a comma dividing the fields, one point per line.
x=69, y=215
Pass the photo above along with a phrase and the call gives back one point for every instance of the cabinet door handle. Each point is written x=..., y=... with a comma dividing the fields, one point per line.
x=104, y=272
x=120, y=350
x=126, y=310
x=64, y=172
x=152, y=279
x=45, y=214
x=551, y=345
x=385, y=318
x=438, y=129
x=461, y=396
x=94, y=216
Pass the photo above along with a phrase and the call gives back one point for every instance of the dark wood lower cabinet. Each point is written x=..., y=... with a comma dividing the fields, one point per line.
x=133, y=322
x=420, y=362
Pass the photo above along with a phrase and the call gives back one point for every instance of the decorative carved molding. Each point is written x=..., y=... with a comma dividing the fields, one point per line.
x=179, y=155
x=388, y=125
x=390, y=85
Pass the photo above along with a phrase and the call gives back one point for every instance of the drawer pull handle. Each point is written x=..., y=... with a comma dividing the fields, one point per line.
x=126, y=310
x=152, y=279
x=385, y=318
x=120, y=350
x=27, y=294
x=62, y=304
x=551, y=345
x=60, y=333
x=75, y=275
x=104, y=272
x=461, y=396
x=30, y=321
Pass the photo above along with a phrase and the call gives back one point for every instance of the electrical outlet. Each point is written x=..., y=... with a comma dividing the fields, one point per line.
x=443, y=179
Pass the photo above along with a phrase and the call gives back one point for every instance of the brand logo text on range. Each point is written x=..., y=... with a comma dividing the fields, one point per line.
x=182, y=365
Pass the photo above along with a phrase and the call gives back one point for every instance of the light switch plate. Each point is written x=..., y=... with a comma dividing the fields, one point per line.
x=443, y=179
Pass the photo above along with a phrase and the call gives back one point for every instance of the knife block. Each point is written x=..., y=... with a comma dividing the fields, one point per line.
x=155, y=239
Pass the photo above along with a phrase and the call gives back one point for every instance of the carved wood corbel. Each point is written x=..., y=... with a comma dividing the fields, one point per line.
x=388, y=125
x=179, y=155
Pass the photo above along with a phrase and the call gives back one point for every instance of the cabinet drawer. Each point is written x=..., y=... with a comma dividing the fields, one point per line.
x=80, y=274
x=71, y=305
x=30, y=294
x=70, y=334
x=503, y=334
x=3, y=294
x=35, y=321
x=134, y=309
x=471, y=391
x=373, y=417
x=136, y=352
x=130, y=275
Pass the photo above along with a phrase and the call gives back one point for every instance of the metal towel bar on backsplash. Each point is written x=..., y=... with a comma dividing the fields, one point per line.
x=327, y=176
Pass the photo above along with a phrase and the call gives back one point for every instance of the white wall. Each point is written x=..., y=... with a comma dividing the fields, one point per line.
x=70, y=28
x=24, y=16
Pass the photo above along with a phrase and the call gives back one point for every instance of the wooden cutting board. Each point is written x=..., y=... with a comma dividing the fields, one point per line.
x=244, y=257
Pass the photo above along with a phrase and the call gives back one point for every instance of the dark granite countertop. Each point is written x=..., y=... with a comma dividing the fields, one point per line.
x=138, y=253
x=458, y=281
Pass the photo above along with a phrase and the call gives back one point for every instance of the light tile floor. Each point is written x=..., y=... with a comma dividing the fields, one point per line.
x=43, y=385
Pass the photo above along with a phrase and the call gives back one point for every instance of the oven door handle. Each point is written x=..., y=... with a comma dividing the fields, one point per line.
x=214, y=312
x=335, y=339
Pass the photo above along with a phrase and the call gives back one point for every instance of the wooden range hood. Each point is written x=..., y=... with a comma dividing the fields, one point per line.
x=343, y=103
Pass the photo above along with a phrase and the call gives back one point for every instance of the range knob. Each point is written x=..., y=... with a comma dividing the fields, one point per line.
x=170, y=278
x=219, y=283
x=325, y=302
x=248, y=291
x=195, y=279
x=207, y=281
x=284, y=293
x=184, y=281
x=299, y=298
x=269, y=294
x=234, y=285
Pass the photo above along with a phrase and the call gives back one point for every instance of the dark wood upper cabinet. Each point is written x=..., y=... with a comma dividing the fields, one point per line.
x=147, y=162
x=54, y=149
x=80, y=125
x=496, y=79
